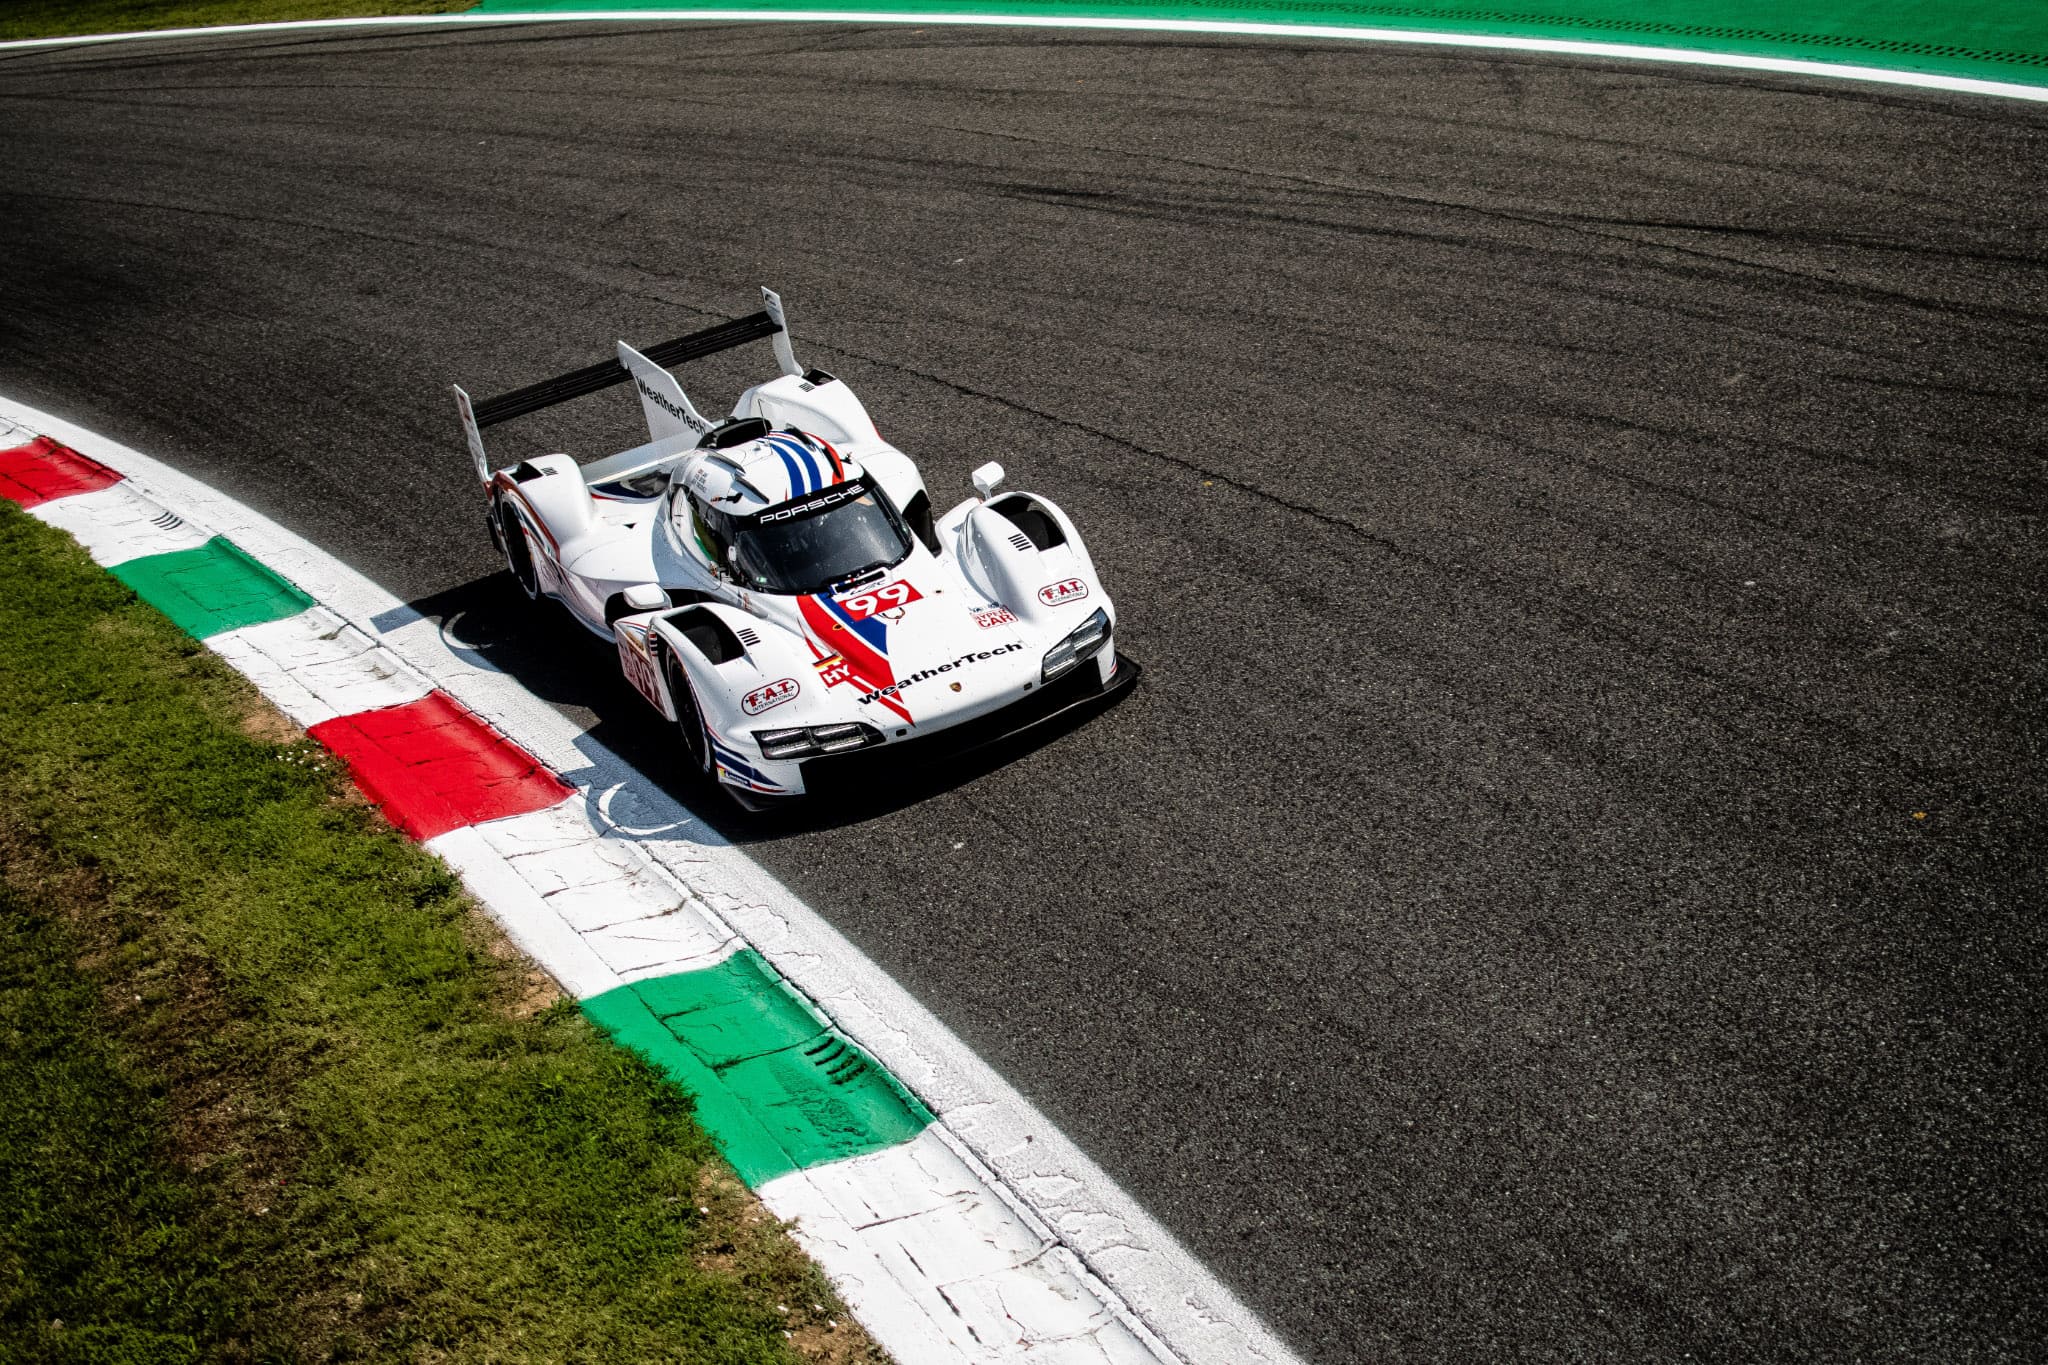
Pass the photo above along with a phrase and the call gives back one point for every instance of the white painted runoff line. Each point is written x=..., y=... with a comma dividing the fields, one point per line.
x=988, y=1237
x=1569, y=47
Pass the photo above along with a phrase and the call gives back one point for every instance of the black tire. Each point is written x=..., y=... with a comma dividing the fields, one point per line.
x=689, y=720
x=697, y=739
x=518, y=554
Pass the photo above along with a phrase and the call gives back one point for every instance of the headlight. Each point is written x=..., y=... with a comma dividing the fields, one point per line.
x=1082, y=643
x=813, y=740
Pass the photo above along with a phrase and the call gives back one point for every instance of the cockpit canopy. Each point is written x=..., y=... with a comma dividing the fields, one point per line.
x=828, y=524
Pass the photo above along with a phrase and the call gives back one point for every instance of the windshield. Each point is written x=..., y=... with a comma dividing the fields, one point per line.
x=812, y=545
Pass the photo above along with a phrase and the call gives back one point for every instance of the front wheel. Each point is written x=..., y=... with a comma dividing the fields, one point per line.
x=689, y=720
x=696, y=738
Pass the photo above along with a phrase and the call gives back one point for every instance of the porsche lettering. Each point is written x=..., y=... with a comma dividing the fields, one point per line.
x=831, y=499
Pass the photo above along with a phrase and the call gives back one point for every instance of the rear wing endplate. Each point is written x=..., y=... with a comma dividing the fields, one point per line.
x=471, y=434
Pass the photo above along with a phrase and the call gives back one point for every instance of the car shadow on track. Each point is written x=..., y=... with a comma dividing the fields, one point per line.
x=490, y=622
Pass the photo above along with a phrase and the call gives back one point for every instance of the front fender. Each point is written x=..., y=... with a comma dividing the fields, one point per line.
x=741, y=667
x=745, y=674
x=1042, y=578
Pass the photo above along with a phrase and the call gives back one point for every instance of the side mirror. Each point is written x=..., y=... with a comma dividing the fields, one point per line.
x=986, y=478
x=646, y=597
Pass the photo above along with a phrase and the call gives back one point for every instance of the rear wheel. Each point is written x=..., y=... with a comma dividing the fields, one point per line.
x=518, y=554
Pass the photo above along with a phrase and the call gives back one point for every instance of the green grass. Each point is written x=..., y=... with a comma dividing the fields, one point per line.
x=271, y=1089
x=59, y=18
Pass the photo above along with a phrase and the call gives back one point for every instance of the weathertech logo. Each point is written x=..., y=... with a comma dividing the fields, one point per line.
x=774, y=694
x=662, y=401
x=1063, y=592
x=924, y=674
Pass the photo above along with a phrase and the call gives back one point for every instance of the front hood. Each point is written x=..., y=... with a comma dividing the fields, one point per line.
x=916, y=644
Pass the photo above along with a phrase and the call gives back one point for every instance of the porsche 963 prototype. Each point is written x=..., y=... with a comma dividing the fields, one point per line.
x=777, y=584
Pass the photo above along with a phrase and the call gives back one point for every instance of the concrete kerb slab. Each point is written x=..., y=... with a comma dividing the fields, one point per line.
x=987, y=1236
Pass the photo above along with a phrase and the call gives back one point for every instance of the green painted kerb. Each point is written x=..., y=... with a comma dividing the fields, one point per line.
x=777, y=1088
x=2000, y=40
x=211, y=589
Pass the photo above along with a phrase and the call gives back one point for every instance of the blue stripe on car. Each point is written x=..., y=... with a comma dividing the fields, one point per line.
x=790, y=448
x=803, y=452
x=797, y=486
x=740, y=767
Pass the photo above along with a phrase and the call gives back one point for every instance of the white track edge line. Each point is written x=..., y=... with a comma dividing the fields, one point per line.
x=1138, y=1269
x=1793, y=66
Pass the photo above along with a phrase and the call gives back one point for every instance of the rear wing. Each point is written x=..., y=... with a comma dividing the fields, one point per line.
x=664, y=402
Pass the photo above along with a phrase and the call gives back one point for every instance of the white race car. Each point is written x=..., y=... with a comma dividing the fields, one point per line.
x=777, y=585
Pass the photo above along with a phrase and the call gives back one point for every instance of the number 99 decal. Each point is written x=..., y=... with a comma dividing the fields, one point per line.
x=888, y=597
x=636, y=659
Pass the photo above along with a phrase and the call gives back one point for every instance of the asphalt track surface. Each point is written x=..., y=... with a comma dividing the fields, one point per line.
x=1569, y=885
